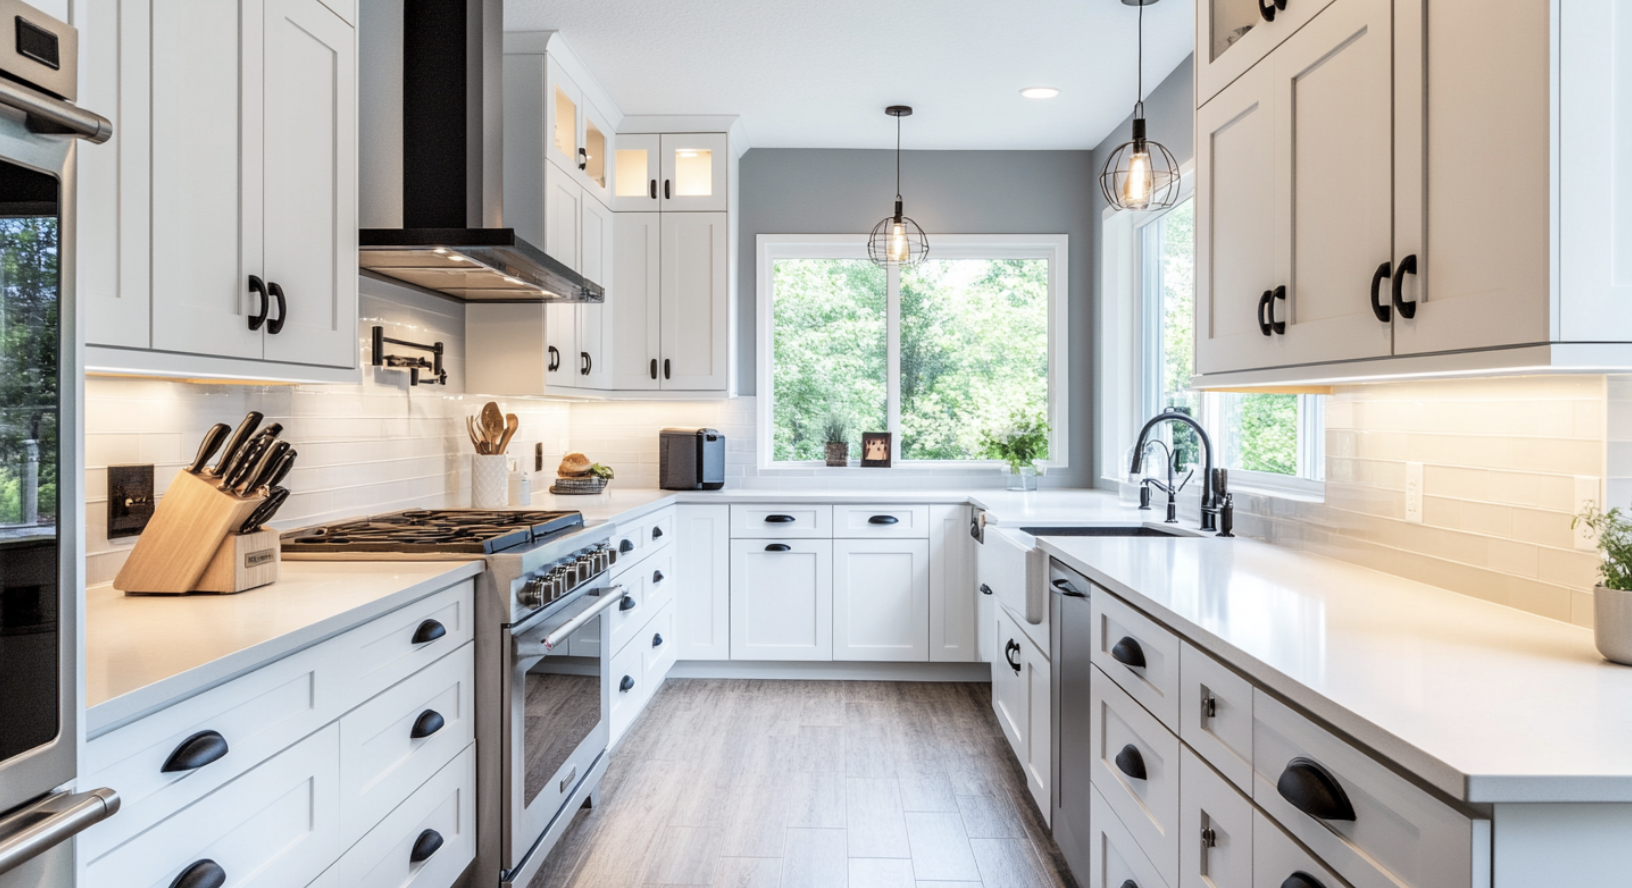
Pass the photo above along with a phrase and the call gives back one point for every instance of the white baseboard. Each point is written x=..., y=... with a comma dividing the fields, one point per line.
x=828, y=671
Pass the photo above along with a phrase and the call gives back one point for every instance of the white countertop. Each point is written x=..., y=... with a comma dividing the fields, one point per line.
x=1487, y=703
x=145, y=652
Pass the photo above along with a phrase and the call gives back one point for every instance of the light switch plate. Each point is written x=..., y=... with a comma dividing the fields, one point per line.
x=1586, y=494
x=130, y=500
x=1413, y=492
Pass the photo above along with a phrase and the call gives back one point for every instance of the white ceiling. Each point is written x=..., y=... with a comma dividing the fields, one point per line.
x=818, y=73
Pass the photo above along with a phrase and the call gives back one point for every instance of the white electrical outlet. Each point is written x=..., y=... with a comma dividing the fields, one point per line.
x=1413, y=492
x=1586, y=495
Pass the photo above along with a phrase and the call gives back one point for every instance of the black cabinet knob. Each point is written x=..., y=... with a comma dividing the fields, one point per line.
x=628, y=684
x=430, y=630
x=1301, y=880
x=628, y=603
x=883, y=519
x=1313, y=790
x=1128, y=653
x=429, y=722
x=657, y=576
x=428, y=843
x=985, y=589
x=201, y=874
x=657, y=533
x=657, y=639
x=1130, y=762
x=779, y=547
x=196, y=752
x=626, y=546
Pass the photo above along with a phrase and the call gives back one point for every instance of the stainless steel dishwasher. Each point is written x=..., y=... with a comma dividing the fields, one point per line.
x=1071, y=630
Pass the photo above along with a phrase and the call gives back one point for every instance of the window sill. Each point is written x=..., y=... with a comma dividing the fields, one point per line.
x=965, y=467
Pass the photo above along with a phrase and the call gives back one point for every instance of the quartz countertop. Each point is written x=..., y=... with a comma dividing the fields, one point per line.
x=1486, y=703
x=144, y=652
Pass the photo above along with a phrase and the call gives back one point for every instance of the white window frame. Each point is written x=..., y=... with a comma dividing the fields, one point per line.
x=1053, y=247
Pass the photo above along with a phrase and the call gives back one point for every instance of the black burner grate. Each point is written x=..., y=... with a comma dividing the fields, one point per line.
x=427, y=531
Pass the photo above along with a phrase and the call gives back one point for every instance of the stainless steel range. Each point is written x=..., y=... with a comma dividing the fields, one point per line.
x=542, y=661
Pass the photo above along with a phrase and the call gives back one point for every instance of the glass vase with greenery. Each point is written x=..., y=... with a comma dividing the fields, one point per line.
x=1020, y=444
x=1612, y=600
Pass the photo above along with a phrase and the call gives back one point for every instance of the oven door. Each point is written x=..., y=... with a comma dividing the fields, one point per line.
x=556, y=698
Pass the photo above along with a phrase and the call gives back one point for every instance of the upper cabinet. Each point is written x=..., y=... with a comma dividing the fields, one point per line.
x=580, y=137
x=1396, y=186
x=222, y=235
x=673, y=172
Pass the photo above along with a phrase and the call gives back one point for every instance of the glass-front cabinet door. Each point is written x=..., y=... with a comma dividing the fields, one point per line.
x=635, y=173
x=563, y=116
x=696, y=170
x=1232, y=35
x=596, y=149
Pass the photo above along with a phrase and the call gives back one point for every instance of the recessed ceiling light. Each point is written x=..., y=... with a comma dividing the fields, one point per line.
x=1039, y=92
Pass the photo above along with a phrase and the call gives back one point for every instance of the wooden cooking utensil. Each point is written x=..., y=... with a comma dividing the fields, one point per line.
x=511, y=424
x=477, y=441
x=493, y=423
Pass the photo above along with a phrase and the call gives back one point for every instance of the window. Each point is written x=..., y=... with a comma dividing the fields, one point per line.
x=1272, y=441
x=939, y=355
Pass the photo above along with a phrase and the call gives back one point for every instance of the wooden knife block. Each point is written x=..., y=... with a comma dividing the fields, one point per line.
x=244, y=561
x=186, y=533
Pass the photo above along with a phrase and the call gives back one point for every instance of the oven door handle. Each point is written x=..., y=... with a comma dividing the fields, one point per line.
x=528, y=646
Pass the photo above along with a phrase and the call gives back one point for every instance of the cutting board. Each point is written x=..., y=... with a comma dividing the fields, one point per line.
x=187, y=529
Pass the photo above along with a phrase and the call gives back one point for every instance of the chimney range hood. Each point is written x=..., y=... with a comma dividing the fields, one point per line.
x=432, y=190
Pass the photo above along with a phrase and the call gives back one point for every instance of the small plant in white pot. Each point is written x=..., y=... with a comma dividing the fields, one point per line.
x=1612, y=598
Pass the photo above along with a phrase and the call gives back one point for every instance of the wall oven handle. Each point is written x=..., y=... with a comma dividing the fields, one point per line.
x=54, y=116
x=45, y=824
x=543, y=647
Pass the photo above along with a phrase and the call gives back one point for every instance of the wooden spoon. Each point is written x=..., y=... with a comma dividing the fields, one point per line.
x=493, y=424
x=475, y=440
x=511, y=424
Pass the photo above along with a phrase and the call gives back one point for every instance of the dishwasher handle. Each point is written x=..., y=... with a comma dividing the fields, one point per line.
x=50, y=822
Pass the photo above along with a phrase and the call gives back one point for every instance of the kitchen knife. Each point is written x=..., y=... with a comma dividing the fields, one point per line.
x=243, y=462
x=236, y=443
x=211, y=443
x=264, y=512
x=280, y=469
x=265, y=462
x=272, y=430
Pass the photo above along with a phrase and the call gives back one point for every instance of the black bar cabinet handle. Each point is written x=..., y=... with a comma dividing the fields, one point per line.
x=275, y=326
x=666, y=195
x=1130, y=762
x=779, y=519
x=628, y=603
x=583, y=158
x=1279, y=294
x=195, y=752
x=428, y=843
x=985, y=589
x=1383, y=312
x=1263, y=325
x=258, y=287
x=1128, y=653
x=204, y=873
x=430, y=630
x=654, y=189
x=555, y=360
x=779, y=547
x=1011, y=652
x=883, y=519
x=628, y=684
x=654, y=368
x=1301, y=879
x=584, y=363
x=429, y=722
x=1408, y=265
x=1313, y=790
x=1267, y=10
x=665, y=368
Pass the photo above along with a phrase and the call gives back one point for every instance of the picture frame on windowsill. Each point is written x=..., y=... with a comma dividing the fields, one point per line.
x=876, y=449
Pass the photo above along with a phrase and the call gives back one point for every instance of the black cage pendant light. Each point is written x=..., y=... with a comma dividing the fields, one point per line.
x=1141, y=174
x=897, y=240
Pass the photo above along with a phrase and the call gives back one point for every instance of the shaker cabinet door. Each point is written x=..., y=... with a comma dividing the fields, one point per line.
x=881, y=600
x=595, y=333
x=637, y=310
x=782, y=600
x=696, y=299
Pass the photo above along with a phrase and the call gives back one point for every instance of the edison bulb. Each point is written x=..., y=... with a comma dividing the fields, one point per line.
x=1137, y=187
x=898, y=242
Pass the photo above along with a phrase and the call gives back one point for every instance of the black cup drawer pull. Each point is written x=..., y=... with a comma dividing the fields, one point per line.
x=1129, y=883
x=428, y=843
x=202, y=874
x=779, y=547
x=196, y=752
x=628, y=684
x=779, y=519
x=1129, y=653
x=657, y=639
x=657, y=576
x=985, y=589
x=628, y=603
x=657, y=533
x=1313, y=790
x=884, y=519
x=1301, y=880
x=430, y=630
x=429, y=722
x=1131, y=763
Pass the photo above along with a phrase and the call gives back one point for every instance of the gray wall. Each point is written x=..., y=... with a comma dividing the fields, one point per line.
x=827, y=191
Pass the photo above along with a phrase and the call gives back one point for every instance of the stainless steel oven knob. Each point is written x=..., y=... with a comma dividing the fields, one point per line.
x=532, y=594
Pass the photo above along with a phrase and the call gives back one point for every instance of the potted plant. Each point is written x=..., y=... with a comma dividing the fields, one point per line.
x=1612, y=597
x=1020, y=445
x=838, y=443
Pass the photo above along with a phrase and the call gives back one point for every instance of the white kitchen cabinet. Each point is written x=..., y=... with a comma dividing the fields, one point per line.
x=695, y=169
x=881, y=600
x=952, y=595
x=637, y=313
x=239, y=162
x=1232, y=35
x=695, y=287
x=1221, y=820
x=703, y=588
x=1021, y=699
x=782, y=599
x=579, y=137
x=596, y=243
x=638, y=162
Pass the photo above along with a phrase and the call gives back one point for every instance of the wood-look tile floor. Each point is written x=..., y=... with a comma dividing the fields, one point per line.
x=806, y=784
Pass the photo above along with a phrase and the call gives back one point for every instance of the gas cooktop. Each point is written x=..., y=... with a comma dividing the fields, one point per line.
x=429, y=532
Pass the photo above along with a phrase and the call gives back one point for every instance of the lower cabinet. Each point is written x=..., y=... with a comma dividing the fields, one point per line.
x=703, y=588
x=881, y=600
x=1021, y=679
x=427, y=841
x=1219, y=821
x=782, y=599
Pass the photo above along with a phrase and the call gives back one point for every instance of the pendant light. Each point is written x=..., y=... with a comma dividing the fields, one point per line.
x=897, y=240
x=1141, y=174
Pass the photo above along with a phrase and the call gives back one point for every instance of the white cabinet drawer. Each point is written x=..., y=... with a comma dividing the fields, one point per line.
x=656, y=650
x=628, y=615
x=781, y=522
x=390, y=648
x=1115, y=857
x=394, y=742
x=444, y=809
x=636, y=539
x=1276, y=859
x=1215, y=714
x=660, y=528
x=1393, y=835
x=658, y=573
x=1215, y=825
x=1139, y=655
x=1136, y=768
x=881, y=521
x=628, y=691
x=649, y=587
x=252, y=718
x=274, y=827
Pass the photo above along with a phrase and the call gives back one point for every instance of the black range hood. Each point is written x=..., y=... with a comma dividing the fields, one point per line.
x=432, y=140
